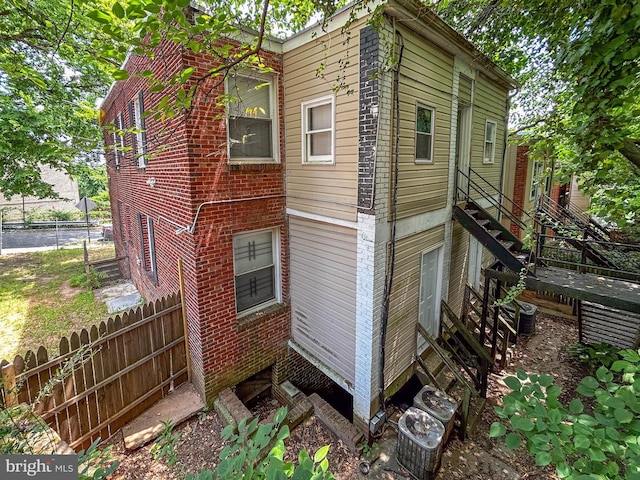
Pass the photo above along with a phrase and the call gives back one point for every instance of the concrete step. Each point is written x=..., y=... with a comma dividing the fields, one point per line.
x=175, y=408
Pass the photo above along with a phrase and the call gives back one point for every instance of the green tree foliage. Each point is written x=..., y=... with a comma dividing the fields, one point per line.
x=92, y=180
x=51, y=74
x=599, y=442
x=579, y=66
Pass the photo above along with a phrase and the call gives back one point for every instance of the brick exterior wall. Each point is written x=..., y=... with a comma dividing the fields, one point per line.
x=368, y=116
x=520, y=186
x=187, y=160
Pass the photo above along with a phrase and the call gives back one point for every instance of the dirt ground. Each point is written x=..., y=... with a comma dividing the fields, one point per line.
x=477, y=458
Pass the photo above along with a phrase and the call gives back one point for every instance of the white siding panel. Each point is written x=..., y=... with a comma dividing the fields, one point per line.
x=323, y=292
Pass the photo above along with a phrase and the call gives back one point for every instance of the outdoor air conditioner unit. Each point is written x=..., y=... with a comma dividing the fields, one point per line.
x=439, y=405
x=419, y=443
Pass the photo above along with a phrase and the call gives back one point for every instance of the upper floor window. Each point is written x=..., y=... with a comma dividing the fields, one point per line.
x=139, y=138
x=252, y=117
x=118, y=139
x=256, y=266
x=489, y=141
x=536, y=180
x=425, y=117
x=318, y=127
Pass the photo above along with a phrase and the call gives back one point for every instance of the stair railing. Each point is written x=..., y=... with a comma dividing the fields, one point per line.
x=568, y=214
x=474, y=187
x=557, y=251
x=466, y=349
x=467, y=389
x=499, y=332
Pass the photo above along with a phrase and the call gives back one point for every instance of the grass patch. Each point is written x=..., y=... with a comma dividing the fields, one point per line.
x=39, y=305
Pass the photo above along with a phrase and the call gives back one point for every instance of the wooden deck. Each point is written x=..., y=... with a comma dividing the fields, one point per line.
x=594, y=288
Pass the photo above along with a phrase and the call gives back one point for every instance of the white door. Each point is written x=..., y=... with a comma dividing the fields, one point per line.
x=430, y=293
x=475, y=262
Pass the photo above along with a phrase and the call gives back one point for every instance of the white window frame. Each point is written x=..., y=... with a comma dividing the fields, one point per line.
x=277, y=273
x=307, y=158
x=116, y=150
x=489, y=158
x=431, y=134
x=536, y=173
x=272, y=80
x=120, y=118
x=140, y=147
x=118, y=139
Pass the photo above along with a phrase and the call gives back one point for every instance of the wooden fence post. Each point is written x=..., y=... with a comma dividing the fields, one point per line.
x=184, y=319
x=9, y=385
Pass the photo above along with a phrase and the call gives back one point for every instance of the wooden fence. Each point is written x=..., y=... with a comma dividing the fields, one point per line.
x=130, y=362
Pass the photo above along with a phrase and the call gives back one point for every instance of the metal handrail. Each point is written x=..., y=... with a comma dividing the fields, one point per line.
x=477, y=188
x=609, y=250
x=573, y=214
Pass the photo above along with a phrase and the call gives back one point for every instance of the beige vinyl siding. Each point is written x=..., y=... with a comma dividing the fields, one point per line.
x=578, y=199
x=489, y=103
x=403, y=314
x=459, y=267
x=323, y=189
x=323, y=292
x=426, y=79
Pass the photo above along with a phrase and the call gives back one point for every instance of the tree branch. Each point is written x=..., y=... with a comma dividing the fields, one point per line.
x=66, y=29
x=527, y=127
x=631, y=151
x=247, y=54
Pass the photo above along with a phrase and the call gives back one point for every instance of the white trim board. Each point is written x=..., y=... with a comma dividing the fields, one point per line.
x=322, y=218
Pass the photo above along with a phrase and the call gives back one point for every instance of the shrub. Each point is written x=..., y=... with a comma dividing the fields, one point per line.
x=244, y=458
x=594, y=356
x=603, y=444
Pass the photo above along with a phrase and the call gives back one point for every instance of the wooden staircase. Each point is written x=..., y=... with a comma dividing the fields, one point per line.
x=495, y=326
x=505, y=246
x=457, y=364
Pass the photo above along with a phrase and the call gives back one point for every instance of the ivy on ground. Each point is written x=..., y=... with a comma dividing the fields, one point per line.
x=599, y=442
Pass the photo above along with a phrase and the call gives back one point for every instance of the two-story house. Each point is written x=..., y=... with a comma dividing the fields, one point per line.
x=314, y=216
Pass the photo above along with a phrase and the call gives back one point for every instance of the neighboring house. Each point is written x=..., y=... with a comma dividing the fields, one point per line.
x=289, y=246
x=525, y=181
x=19, y=208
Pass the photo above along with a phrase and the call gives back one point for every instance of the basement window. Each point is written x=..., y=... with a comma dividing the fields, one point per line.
x=256, y=269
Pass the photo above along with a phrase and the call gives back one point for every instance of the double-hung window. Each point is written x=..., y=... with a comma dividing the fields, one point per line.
x=536, y=179
x=425, y=117
x=255, y=259
x=489, y=141
x=318, y=127
x=140, y=146
x=118, y=139
x=252, y=117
